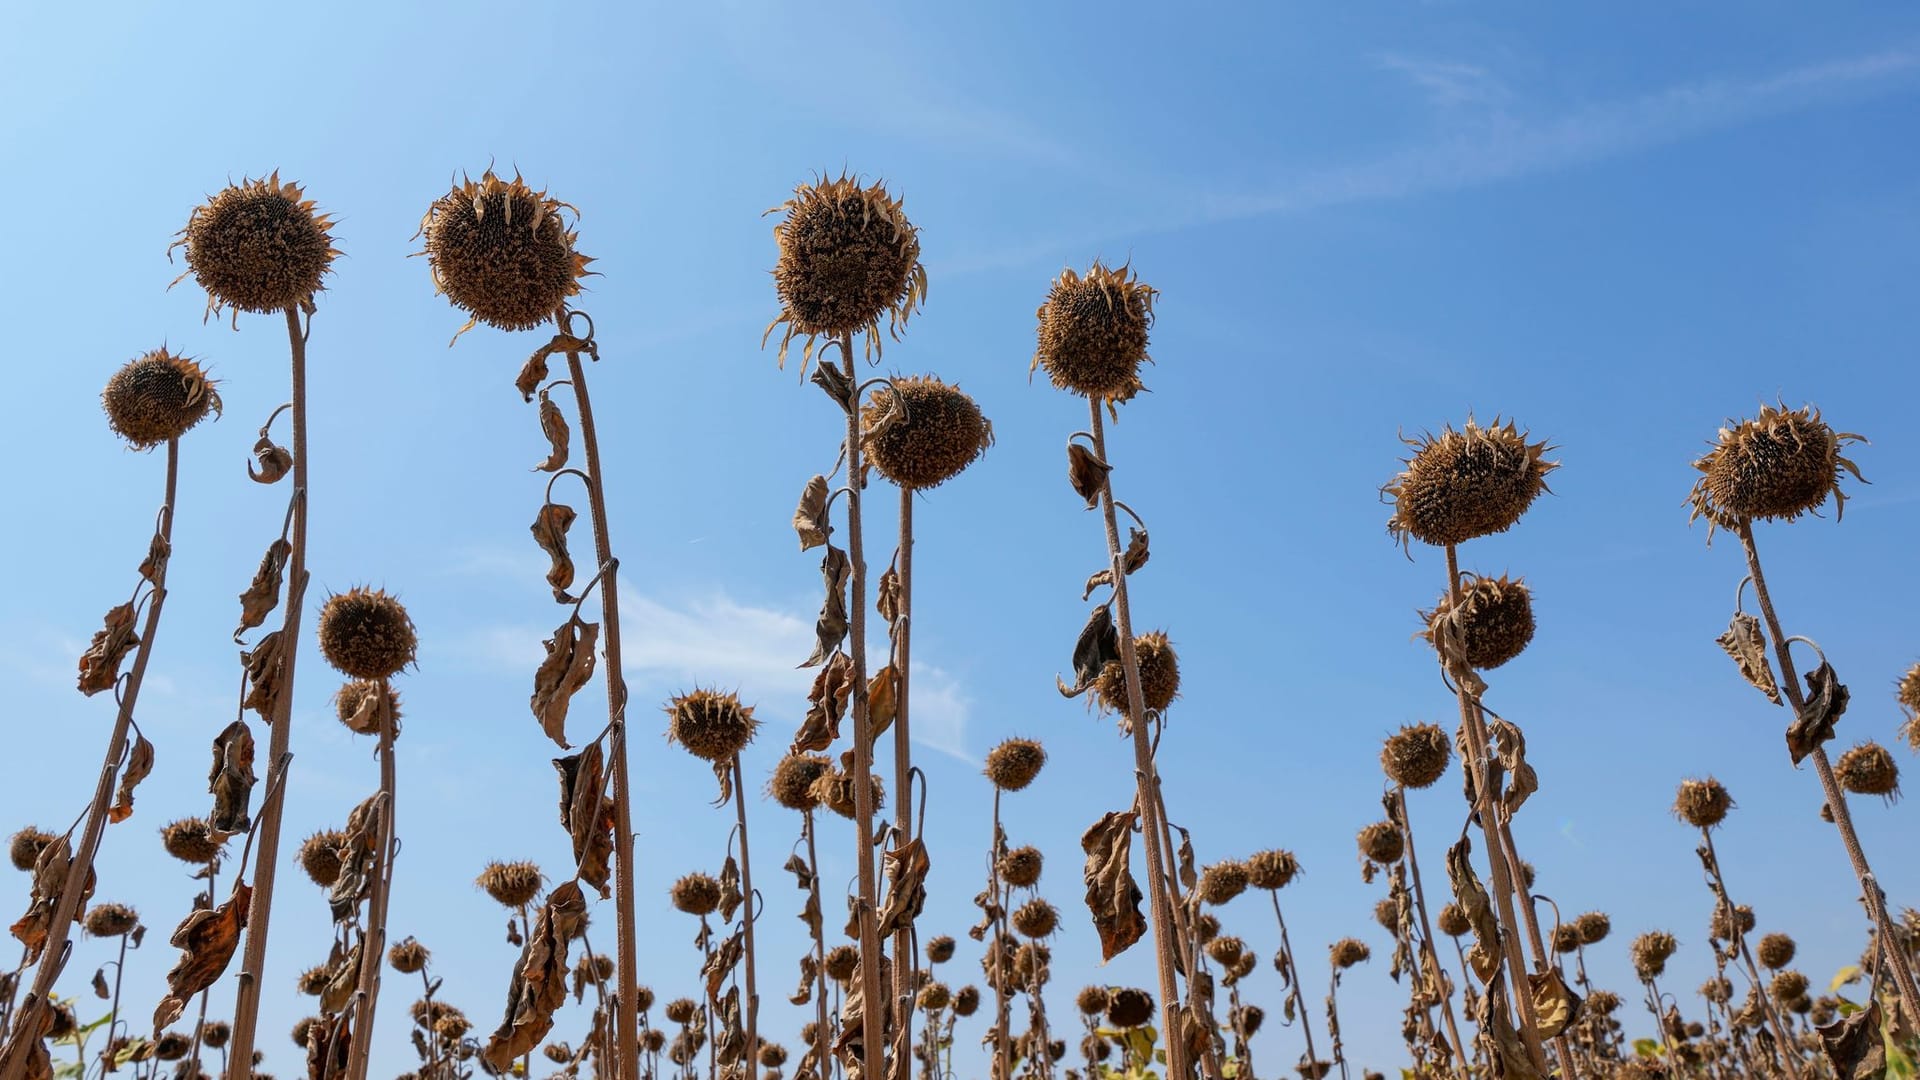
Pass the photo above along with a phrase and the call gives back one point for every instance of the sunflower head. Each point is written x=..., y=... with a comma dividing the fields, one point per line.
x=966, y=1001
x=1775, y=951
x=1452, y=921
x=1728, y=923
x=1416, y=756
x=511, y=884
x=711, y=725
x=1907, y=691
x=258, y=246
x=791, y=784
x=1594, y=927
x=920, y=432
x=1159, y=675
x=1651, y=951
x=156, y=397
x=940, y=949
x=1869, y=769
x=1129, y=1007
x=319, y=856
x=502, y=252
x=1036, y=918
x=1382, y=843
x=26, y=845
x=1775, y=467
x=111, y=920
x=1013, y=764
x=191, y=840
x=1093, y=332
x=366, y=634
x=1021, y=867
x=408, y=956
x=1462, y=484
x=1491, y=623
x=1349, y=951
x=1788, y=986
x=1222, y=881
x=848, y=257
x=1271, y=869
x=1702, y=803
x=696, y=894
x=1091, y=1000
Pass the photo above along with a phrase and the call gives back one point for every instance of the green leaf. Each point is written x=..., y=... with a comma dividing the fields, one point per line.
x=1899, y=1065
x=1846, y=975
x=1847, y=1008
x=1646, y=1048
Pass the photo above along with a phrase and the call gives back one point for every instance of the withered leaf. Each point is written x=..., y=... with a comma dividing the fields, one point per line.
x=263, y=666
x=1513, y=1062
x=730, y=896
x=100, y=664
x=1826, y=701
x=1510, y=746
x=830, y=629
x=263, y=595
x=1113, y=897
x=1554, y=1002
x=887, y=595
x=154, y=566
x=721, y=963
x=587, y=814
x=271, y=461
x=343, y=980
x=100, y=988
x=207, y=939
x=359, y=854
x=883, y=703
x=553, y=424
x=139, y=767
x=371, y=715
x=835, y=383
x=810, y=519
x=1746, y=642
x=49, y=878
x=1135, y=557
x=906, y=874
x=1087, y=473
x=1477, y=907
x=730, y=1040
x=539, y=985
x=329, y=1047
x=1096, y=647
x=827, y=705
x=568, y=665
x=1853, y=1041
x=550, y=532
x=809, y=974
x=230, y=781
x=804, y=878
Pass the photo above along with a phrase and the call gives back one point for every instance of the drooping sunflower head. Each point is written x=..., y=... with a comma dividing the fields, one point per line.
x=1416, y=756
x=1594, y=927
x=1452, y=921
x=362, y=705
x=511, y=884
x=710, y=724
x=408, y=956
x=156, y=397
x=1702, y=803
x=696, y=894
x=1908, y=691
x=1566, y=938
x=1129, y=1007
x=1775, y=951
x=1091, y=1000
x=319, y=856
x=1036, y=918
x=920, y=432
x=1271, y=869
x=1222, y=881
x=966, y=1001
x=1492, y=623
x=1159, y=675
x=1093, y=332
x=1651, y=951
x=1021, y=867
x=366, y=634
x=1727, y=923
x=26, y=845
x=791, y=784
x=503, y=252
x=1788, y=986
x=1462, y=484
x=191, y=840
x=837, y=792
x=1226, y=951
x=1777, y=466
x=258, y=246
x=1869, y=769
x=848, y=257
x=111, y=920
x=1382, y=843
x=940, y=949
x=1014, y=763
x=1348, y=951
x=841, y=960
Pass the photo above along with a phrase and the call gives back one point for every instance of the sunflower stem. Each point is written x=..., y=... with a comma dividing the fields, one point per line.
x=822, y=1034
x=1293, y=979
x=1426, y=926
x=373, y=943
x=904, y=958
x=1001, y=892
x=1788, y=1061
x=746, y=885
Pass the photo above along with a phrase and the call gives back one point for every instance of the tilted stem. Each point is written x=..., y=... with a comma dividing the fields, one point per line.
x=1333, y=1023
x=1836, y=800
x=1177, y=903
x=266, y=828
x=373, y=943
x=1293, y=979
x=1426, y=928
x=1561, y=1046
x=1746, y=956
x=1144, y=773
x=822, y=1037
x=1659, y=1021
x=904, y=958
x=746, y=885
x=1003, y=1039
x=200, y=1024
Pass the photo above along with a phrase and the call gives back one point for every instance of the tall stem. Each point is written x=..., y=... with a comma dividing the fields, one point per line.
x=1531, y=920
x=1003, y=960
x=822, y=1034
x=1426, y=927
x=53, y=951
x=1183, y=932
x=904, y=958
x=1876, y=902
x=1144, y=773
x=1293, y=980
x=1719, y=881
x=746, y=885
x=373, y=943
x=1488, y=812
x=266, y=828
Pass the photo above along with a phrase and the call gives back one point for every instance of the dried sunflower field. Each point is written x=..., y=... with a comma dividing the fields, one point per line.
x=756, y=629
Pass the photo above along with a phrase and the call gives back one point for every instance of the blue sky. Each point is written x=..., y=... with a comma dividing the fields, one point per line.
x=1363, y=221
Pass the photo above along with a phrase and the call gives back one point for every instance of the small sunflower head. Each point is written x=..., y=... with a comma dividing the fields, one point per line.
x=696, y=894
x=1386, y=912
x=681, y=1010
x=773, y=1055
x=1020, y=867
x=1594, y=927
x=848, y=257
x=1492, y=622
x=1036, y=918
x=1014, y=763
x=1206, y=927
x=502, y=252
x=408, y=956
x=1725, y=923
x=216, y=1034
x=1718, y=990
x=361, y=704
x=1651, y=951
x=1788, y=986
x=1869, y=769
x=1091, y=1000
x=1775, y=467
x=1775, y=951
x=302, y=1028
x=1459, y=485
x=1247, y=1020
x=157, y=397
x=1093, y=332
x=1907, y=692
x=1453, y=921
x=25, y=847
x=793, y=778
x=1129, y=1007
x=841, y=960
x=1566, y=938
x=1159, y=675
x=836, y=791
x=1416, y=756
x=366, y=634
x=1349, y=951
x=1382, y=843
x=1222, y=881
x=319, y=856
x=258, y=246
x=1702, y=803
x=1271, y=869
x=511, y=884
x=920, y=432
x=191, y=840
x=966, y=1001
x=711, y=725
x=940, y=949
x=313, y=981
x=172, y=1046
x=1226, y=951
x=111, y=920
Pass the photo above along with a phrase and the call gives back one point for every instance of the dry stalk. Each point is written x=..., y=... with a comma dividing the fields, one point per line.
x=1718, y=884
x=1293, y=978
x=905, y=958
x=1432, y=956
x=373, y=941
x=747, y=918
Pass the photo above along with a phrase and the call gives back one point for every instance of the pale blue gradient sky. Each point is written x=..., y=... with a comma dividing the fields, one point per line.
x=1619, y=230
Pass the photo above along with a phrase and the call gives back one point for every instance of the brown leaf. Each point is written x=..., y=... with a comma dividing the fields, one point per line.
x=343, y=981
x=100, y=988
x=883, y=703
x=568, y=665
x=273, y=460
x=139, y=766
x=1097, y=646
x=1510, y=746
x=49, y=880
x=1554, y=1002
x=830, y=629
x=263, y=595
x=721, y=963
x=550, y=532
x=906, y=875
x=730, y=896
x=1747, y=644
x=1113, y=897
x=100, y=664
x=329, y=1046
x=1136, y=557
x=1087, y=473
x=553, y=424
x=207, y=939
x=1478, y=908
x=359, y=854
x=834, y=382
x=810, y=519
x=230, y=781
x=1852, y=1040
x=827, y=705
x=587, y=814
x=887, y=595
x=154, y=566
x=373, y=712
x=1826, y=701
x=1496, y=1027
x=809, y=974
x=263, y=665
x=539, y=978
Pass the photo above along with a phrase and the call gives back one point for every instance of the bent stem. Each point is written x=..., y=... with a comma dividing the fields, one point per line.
x=1293, y=978
x=53, y=953
x=746, y=885
x=1719, y=886
x=822, y=1037
x=1002, y=964
x=373, y=943
x=904, y=957
x=1876, y=901
x=1426, y=927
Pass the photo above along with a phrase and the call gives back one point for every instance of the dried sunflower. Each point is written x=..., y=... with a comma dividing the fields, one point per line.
x=920, y=432
x=366, y=634
x=511, y=884
x=1453, y=921
x=1382, y=843
x=258, y=246
x=966, y=1001
x=1020, y=867
x=712, y=725
x=25, y=847
x=1493, y=621
x=791, y=784
x=1594, y=927
x=1159, y=675
x=1781, y=464
x=1091, y=1000
x=502, y=252
x=191, y=840
x=1462, y=484
x=1788, y=986
x=1222, y=881
x=1869, y=769
x=1093, y=332
x=1348, y=951
x=1014, y=763
x=111, y=920
x=940, y=949
x=1651, y=951
x=1271, y=869
x=1702, y=803
x=408, y=956
x=156, y=397
x=696, y=894
x=1416, y=756
x=1775, y=951
x=1129, y=1007
x=848, y=256
x=319, y=856
x=1036, y=918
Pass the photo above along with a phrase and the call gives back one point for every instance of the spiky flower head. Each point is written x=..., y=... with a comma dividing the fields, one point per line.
x=920, y=432
x=841, y=960
x=1222, y=881
x=1718, y=990
x=848, y=256
x=1271, y=869
x=172, y=1046
x=1014, y=763
x=511, y=884
x=1787, y=986
x=1206, y=927
x=1869, y=769
x=1775, y=467
x=1724, y=922
x=1603, y=1002
x=791, y=784
x=408, y=956
x=1348, y=951
x=1159, y=675
x=25, y=847
x=696, y=894
x=1416, y=756
x=1020, y=867
x=1247, y=1020
x=1651, y=951
x=1129, y=1007
x=1036, y=918
x=773, y=1055
x=836, y=791
x=319, y=856
x=216, y=1033
x=681, y=1010
x=1493, y=620
x=313, y=981
x=1459, y=485
x=158, y=396
x=1091, y=1000
x=1386, y=912
x=1093, y=332
x=966, y=1001
x=1907, y=692
x=1453, y=921
x=111, y=920
x=366, y=634
x=303, y=1028
x=940, y=949
x=1226, y=951
x=257, y=246
x=1775, y=951
x=362, y=704
x=1382, y=843
x=711, y=725
x=1566, y=938
x=1702, y=803
x=502, y=252
x=191, y=840
x=1594, y=927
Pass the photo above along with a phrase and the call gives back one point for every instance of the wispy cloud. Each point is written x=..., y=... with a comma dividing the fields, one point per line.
x=1447, y=84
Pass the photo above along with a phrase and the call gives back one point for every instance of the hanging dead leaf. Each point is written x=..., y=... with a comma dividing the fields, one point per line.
x=1554, y=1003
x=343, y=980
x=263, y=666
x=810, y=519
x=830, y=629
x=1477, y=907
x=809, y=974
x=154, y=566
x=587, y=814
x=887, y=595
x=1113, y=898
x=730, y=1041
x=550, y=532
x=1826, y=701
x=49, y=878
x=359, y=854
x=835, y=383
x=827, y=705
x=730, y=895
x=568, y=665
x=1097, y=646
x=329, y=1047
x=1087, y=473
x=207, y=939
x=1135, y=558
x=230, y=781
x=553, y=424
x=539, y=985
x=139, y=766
x=1746, y=642
x=271, y=461
x=100, y=664
x=1510, y=746
x=263, y=595
x=1496, y=1027
x=1854, y=1045
x=883, y=703
x=721, y=962
x=905, y=868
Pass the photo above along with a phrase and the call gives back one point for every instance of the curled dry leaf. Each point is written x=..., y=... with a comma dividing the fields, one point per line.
x=887, y=595
x=1113, y=897
x=100, y=664
x=830, y=629
x=550, y=532
x=1510, y=746
x=207, y=939
x=810, y=519
x=1854, y=1045
x=359, y=854
x=827, y=705
x=1135, y=557
x=803, y=878
x=883, y=703
x=721, y=962
x=263, y=666
x=587, y=814
x=230, y=781
x=372, y=712
x=343, y=979
x=1087, y=473
x=1097, y=646
x=906, y=874
x=154, y=566
x=568, y=665
x=1554, y=1002
x=270, y=463
x=553, y=424
x=832, y=380
x=1746, y=642
x=809, y=974
x=139, y=767
x=1478, y=908
x=100, y=988
x=49, y=878
x=1497, y=1032
x=329, y=1046
x=1826, y=701
x=730, y=895
x=729, y=1041
x=539, y=985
